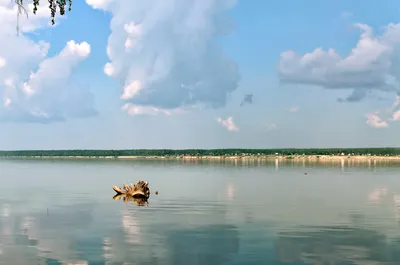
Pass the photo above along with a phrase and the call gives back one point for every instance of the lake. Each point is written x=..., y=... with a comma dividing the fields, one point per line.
x=62, y=212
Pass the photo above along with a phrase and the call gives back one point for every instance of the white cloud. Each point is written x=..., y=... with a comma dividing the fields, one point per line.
x=294, y=109
x=99, y=4
x=394, y=110
x=8, y=17
x=375, y=121
x=57, y=69
x=2, y=62
x=109, y=69
x=396, y=115
x=271, y=127
x=131, y=90
x=34, y=87
x=135, y=110
x=382, y=119
x=6, y=102
x=396, y=102
x=372, y=65
x=165, y=54
x=228, y=124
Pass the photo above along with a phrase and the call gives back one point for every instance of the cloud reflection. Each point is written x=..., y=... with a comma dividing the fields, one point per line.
x=337, y=245
x=230, y=191
x=376, y=195
x=35, y=238
x=131, y=227
x=211, y=245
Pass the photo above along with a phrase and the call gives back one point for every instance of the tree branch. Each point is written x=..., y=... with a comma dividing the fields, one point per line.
x=53, y=4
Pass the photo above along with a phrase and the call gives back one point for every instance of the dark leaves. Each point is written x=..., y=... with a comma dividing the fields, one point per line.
x=53, y=4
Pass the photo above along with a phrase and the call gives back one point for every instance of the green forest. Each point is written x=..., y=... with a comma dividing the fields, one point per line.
x=201, y=152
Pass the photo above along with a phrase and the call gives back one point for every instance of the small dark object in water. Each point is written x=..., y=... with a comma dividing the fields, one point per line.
x=156, y=192
x=305, y=173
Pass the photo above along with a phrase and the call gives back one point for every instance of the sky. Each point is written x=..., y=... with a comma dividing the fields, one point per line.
x=126, y=74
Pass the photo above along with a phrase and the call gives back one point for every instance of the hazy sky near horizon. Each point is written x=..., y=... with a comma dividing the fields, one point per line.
x=201, y=74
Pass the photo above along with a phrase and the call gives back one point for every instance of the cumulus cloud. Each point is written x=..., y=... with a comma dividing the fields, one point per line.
x=165, y=55
x=375, y=121
x=248, y=99
x=57, y=68
x=228, y=124
x=372, y=65
x=396, y=115
x=33, y=86
x=135, y=110
x=383, y=118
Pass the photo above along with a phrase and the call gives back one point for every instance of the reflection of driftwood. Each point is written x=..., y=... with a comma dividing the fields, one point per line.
x=140, y=189
x=139, y=200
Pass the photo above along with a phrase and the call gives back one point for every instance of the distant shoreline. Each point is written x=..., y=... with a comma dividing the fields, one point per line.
x=289, y=154
x=313, y=158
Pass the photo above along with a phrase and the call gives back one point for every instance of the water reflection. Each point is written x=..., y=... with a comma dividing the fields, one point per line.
x=337, y=245
x=139, y=200
x=131, y=227
x=377, y=194
x=37, y=238
x=230, y=191
x=184, y=236
x=251, y=214
x=344, y=162
x=179, y=232
x=212, y=244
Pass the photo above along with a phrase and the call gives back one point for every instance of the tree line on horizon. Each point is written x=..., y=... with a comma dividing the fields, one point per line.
x=202, y=152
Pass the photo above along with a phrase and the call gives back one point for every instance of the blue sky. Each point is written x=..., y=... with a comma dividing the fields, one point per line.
x=175, y=82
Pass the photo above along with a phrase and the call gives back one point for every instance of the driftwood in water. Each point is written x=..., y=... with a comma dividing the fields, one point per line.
x=140, y=189
x=138, y=193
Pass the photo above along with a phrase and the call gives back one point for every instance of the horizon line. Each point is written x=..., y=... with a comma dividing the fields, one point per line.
x=203, y=149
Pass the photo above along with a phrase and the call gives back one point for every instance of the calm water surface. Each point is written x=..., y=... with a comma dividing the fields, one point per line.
x=62, y=212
